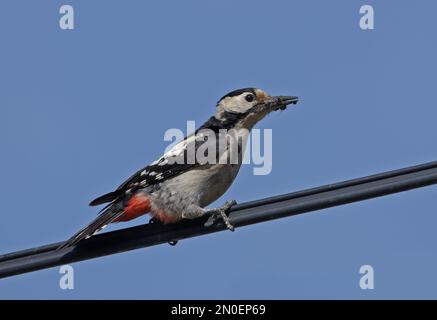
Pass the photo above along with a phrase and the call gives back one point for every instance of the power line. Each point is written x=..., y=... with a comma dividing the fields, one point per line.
x=241, y=215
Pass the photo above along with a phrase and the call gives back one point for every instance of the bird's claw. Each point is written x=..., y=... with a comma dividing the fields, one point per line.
x=222, y=213
x=228, y=205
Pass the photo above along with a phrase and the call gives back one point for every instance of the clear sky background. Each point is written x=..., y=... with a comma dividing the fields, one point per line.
x=81, y=110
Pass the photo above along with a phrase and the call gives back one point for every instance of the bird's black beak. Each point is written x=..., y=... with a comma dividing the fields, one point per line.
x=281, y=102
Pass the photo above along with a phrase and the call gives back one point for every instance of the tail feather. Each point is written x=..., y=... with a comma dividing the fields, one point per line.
x=105, y=218
x=108, y=197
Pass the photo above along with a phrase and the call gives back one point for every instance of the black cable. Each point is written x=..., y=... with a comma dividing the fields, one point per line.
x=241, y=215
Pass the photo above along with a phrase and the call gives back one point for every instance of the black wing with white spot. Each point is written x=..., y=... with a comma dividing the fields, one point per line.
x=171, y=164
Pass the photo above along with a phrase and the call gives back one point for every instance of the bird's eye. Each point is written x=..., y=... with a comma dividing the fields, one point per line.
x=249, y=97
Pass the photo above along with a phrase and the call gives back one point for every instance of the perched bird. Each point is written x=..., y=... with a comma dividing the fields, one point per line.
x=179, y=185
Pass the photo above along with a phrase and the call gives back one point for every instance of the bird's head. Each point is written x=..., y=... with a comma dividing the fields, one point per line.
x=245, y=107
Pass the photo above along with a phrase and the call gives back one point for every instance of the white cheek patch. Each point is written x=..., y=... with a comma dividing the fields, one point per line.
x=236, y=104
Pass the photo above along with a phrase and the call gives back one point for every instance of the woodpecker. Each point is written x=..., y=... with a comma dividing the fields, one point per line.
x=173, y=188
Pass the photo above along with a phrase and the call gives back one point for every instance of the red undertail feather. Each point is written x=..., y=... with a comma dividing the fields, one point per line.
x=136, y=206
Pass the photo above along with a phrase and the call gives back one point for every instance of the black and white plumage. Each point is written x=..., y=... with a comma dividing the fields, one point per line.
x=179, y=185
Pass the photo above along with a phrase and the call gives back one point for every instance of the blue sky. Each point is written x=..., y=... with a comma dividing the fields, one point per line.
x=83, y=109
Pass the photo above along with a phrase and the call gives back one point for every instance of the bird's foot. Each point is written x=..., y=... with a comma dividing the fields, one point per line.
x=221, y=213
